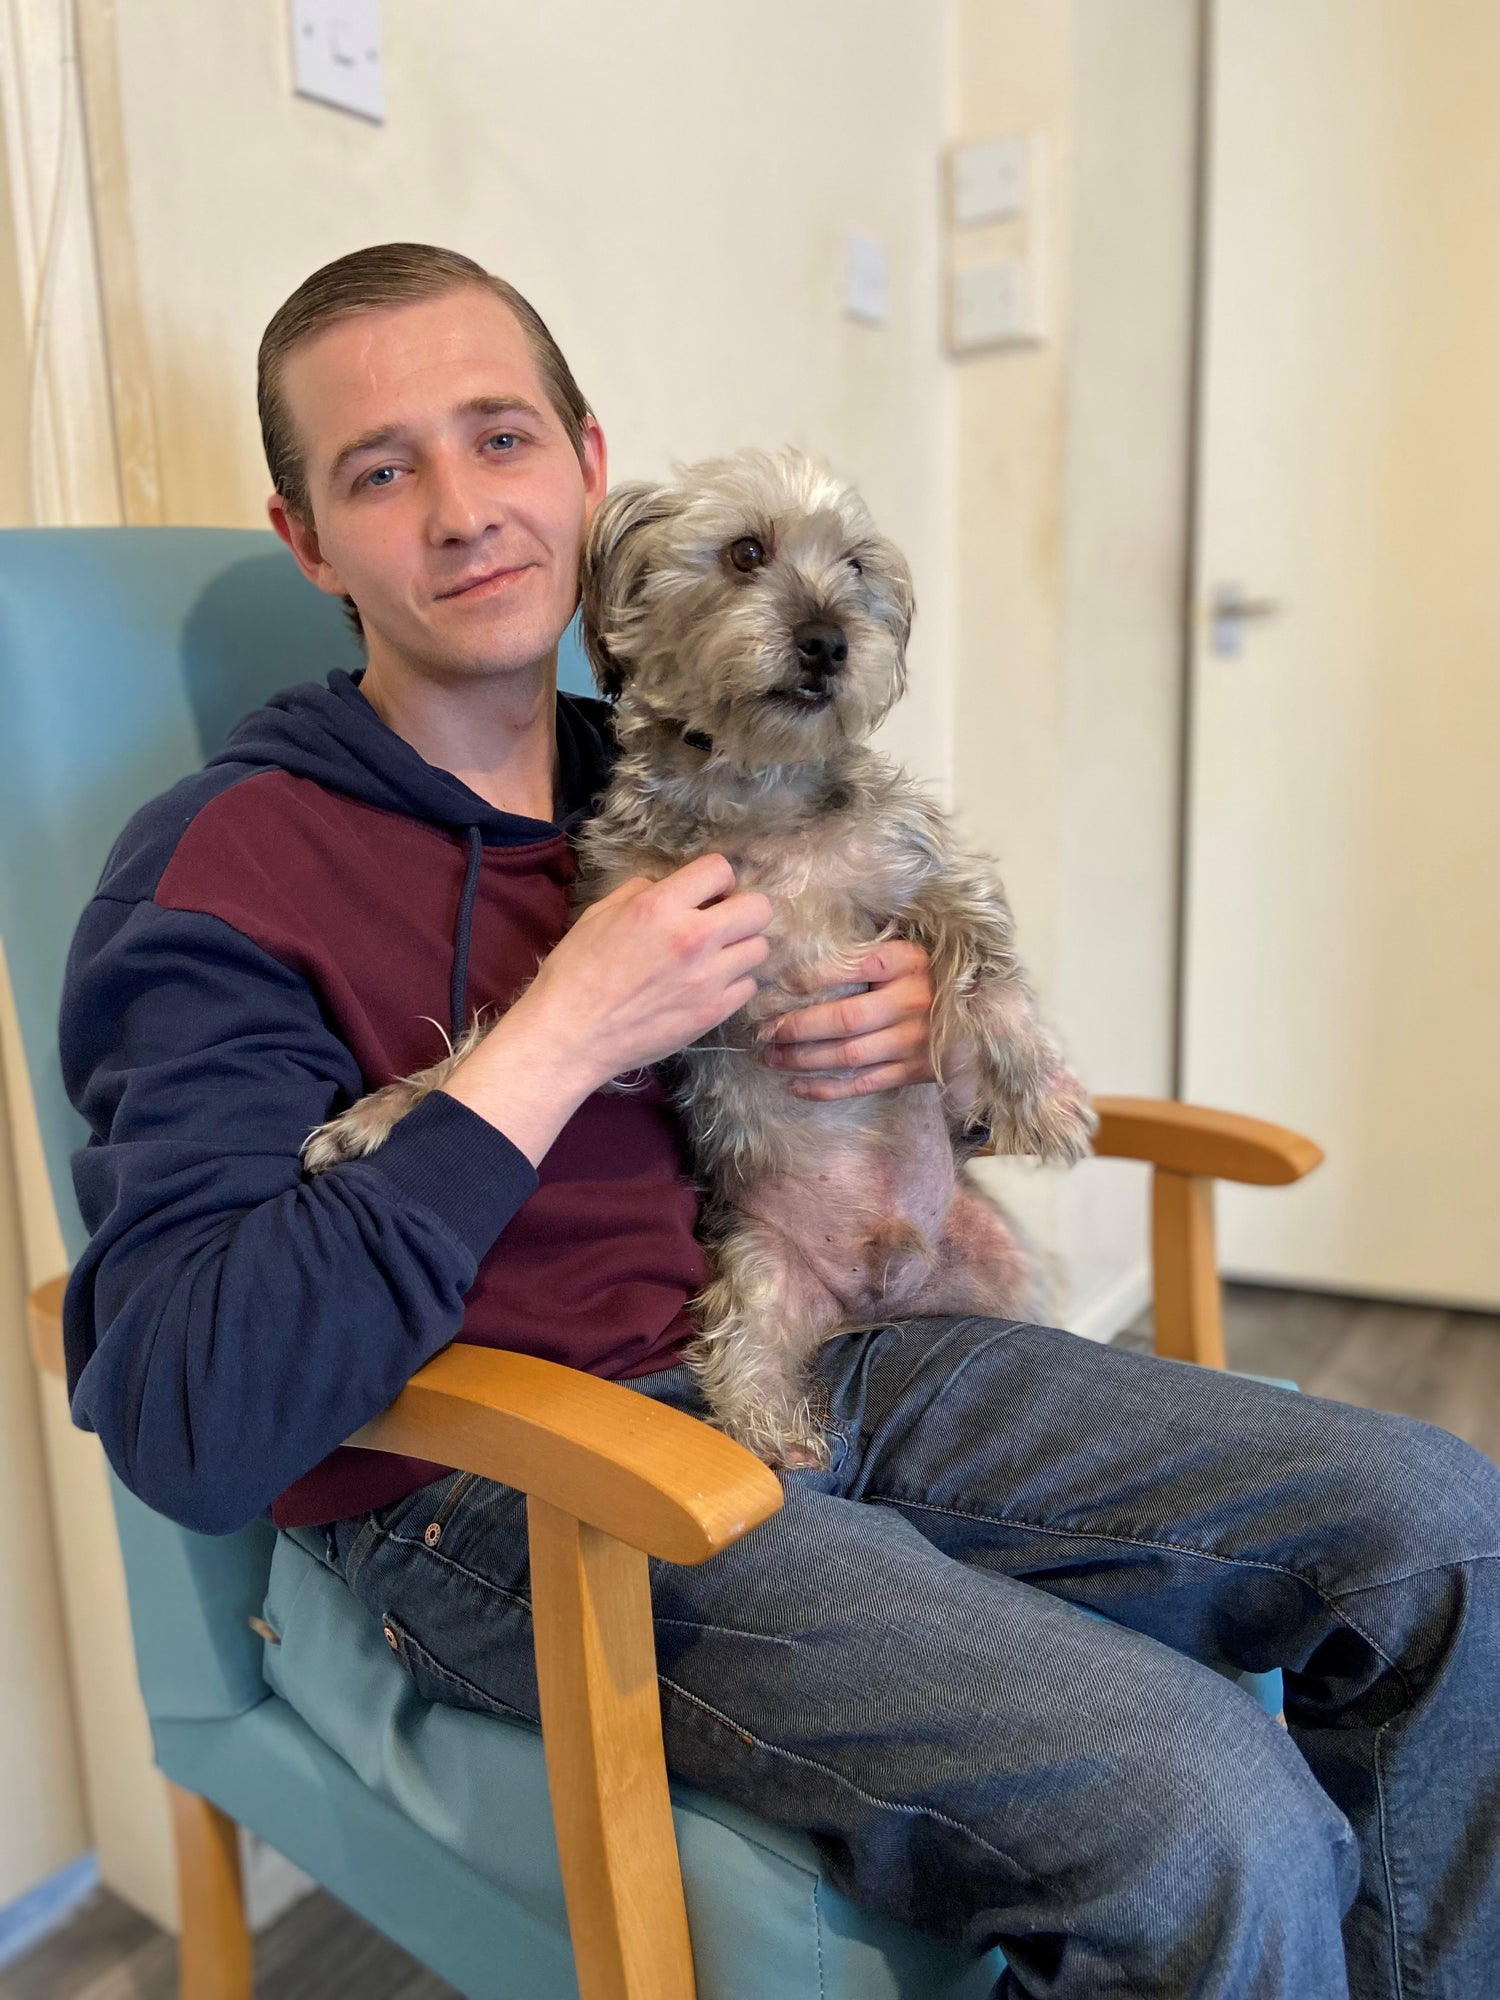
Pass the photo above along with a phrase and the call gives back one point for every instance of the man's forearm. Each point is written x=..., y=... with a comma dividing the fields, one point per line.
x=524, y=1080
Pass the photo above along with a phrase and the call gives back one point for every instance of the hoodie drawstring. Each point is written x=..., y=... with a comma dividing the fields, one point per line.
x=458, y=992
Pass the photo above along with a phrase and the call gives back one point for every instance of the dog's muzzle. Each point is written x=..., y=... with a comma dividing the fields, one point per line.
x=822, y=650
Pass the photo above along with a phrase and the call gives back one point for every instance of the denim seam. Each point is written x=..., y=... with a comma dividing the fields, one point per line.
x=838, y=1777
x=1427, y=1569
x=1385, y=1860
x=1176, y=1548
x=362, y=1548
x=730, y=1631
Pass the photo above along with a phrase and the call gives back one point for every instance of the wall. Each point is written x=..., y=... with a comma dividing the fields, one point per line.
x=1133, y=90
x=42, y=1826
x=1071, y=475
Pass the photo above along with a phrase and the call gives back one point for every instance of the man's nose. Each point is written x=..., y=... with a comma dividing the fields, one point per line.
x=461, y=503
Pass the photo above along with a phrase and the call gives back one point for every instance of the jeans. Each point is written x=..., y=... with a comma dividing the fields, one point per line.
x=897, y=1664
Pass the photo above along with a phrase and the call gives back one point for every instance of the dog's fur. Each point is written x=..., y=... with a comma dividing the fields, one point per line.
x=717, y=608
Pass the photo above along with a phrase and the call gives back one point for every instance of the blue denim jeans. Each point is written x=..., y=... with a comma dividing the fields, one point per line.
x=897, y=1663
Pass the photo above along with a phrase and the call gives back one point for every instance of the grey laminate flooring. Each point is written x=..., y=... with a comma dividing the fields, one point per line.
x=1441, y=1366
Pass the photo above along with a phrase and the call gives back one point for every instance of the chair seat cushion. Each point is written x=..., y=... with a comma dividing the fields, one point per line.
x=763, y=1918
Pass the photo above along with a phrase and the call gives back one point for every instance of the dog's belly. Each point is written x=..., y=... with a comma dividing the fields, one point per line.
x=866, y=1211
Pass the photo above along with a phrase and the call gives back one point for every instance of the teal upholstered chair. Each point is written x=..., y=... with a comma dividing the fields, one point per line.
x=125, y=655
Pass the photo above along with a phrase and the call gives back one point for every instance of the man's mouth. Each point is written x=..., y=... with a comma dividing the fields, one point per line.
x=485, y=583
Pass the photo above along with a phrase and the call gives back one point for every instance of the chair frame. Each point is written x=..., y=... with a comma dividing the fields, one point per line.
x=611, y=1479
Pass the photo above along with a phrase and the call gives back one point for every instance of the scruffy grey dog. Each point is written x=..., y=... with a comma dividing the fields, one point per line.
x=750, y=625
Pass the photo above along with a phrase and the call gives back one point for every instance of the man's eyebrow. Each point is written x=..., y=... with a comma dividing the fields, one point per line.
x=387, y=434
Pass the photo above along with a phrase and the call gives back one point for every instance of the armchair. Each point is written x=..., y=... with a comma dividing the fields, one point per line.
x=273, y=1701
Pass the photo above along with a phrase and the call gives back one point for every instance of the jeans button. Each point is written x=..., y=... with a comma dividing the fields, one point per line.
x=390, y=1636
x=432, y=1534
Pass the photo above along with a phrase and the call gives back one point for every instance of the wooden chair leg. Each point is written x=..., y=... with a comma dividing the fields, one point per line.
x=214, y=1953
x=606, y=1769
x=1188, y=1313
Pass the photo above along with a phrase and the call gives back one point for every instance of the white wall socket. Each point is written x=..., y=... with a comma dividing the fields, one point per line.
x=991, y=180
x=336, y=55
x=867, y=279
x=994, y=305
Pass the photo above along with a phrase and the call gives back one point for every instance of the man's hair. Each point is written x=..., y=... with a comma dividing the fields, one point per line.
x=388, y=274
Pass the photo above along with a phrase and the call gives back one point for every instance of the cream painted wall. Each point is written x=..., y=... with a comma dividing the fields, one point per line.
x=42, y=1827
x=1071, y=547
x=1133, y=95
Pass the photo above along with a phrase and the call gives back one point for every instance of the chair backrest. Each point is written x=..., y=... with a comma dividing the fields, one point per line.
x=126, y=656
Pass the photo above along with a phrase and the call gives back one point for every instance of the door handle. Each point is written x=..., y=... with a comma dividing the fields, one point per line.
x=1229, y=611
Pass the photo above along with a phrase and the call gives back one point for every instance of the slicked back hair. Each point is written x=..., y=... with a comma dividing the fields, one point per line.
x=388, y=274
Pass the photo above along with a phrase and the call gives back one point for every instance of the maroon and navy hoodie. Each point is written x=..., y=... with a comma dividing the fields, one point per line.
x=295, y=925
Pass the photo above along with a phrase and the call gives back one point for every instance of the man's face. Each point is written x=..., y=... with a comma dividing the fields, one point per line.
x=447, y=499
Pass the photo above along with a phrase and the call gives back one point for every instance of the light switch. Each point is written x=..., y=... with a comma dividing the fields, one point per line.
x=990, y=179
x=336, y=55
x=994, y=305
x=867, y=279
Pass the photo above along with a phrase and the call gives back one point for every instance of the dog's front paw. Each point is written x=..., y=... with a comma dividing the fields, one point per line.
x=362, y=1128
x=1060, y=1126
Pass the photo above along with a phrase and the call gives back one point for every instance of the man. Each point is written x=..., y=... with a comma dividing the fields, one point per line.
x=898, y=1661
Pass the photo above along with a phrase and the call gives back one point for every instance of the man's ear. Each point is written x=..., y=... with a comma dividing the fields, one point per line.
x=615, y=561
x=301, y=537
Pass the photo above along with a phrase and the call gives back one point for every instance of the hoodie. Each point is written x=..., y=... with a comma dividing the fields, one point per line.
x=298, y=923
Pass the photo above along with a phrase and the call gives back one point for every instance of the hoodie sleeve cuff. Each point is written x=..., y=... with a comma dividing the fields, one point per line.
x=456, y=1164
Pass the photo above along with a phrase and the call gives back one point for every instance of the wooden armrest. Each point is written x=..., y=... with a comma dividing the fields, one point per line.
x=1190, y=1139
x=44, y=1324
x=643, y=1472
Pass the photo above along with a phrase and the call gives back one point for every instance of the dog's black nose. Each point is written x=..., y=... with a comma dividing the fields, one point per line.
x=823, y=646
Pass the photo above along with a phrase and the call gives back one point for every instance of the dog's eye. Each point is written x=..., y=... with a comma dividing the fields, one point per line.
x=747, y=554
x=856, y=565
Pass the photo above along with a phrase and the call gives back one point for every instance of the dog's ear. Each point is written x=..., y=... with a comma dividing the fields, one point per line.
x=896, y=585
x=614, y=568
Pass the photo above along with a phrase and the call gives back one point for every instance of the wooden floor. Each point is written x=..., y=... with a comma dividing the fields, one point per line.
x=1441, y=1366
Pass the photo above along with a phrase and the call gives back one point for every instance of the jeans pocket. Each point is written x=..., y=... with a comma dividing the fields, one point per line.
x=438, y=1683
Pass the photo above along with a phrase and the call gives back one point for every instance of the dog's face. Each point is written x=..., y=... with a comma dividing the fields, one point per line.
x=752, y=600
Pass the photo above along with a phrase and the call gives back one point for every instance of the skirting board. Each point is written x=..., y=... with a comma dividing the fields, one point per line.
x=44, y=1909
x=1111, y=1310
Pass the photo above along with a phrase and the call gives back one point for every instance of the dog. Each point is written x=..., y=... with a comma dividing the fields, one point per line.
x=750, y=626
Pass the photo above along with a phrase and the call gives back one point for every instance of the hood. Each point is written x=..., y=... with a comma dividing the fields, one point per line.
x=332, y=735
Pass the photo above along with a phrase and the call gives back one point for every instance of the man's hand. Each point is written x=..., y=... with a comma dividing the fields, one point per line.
x=644, y=971
x=883, y=1037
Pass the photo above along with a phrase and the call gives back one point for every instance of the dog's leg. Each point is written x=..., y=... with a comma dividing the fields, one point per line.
x=762, y=1316
x=984, y=1265
x=1025, y=1090
x=367, y=1124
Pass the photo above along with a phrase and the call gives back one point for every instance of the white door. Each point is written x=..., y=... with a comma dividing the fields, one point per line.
x=1342, y=950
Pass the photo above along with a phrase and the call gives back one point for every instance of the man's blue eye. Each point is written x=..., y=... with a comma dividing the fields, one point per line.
x=381, y=476
x=505, y=438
